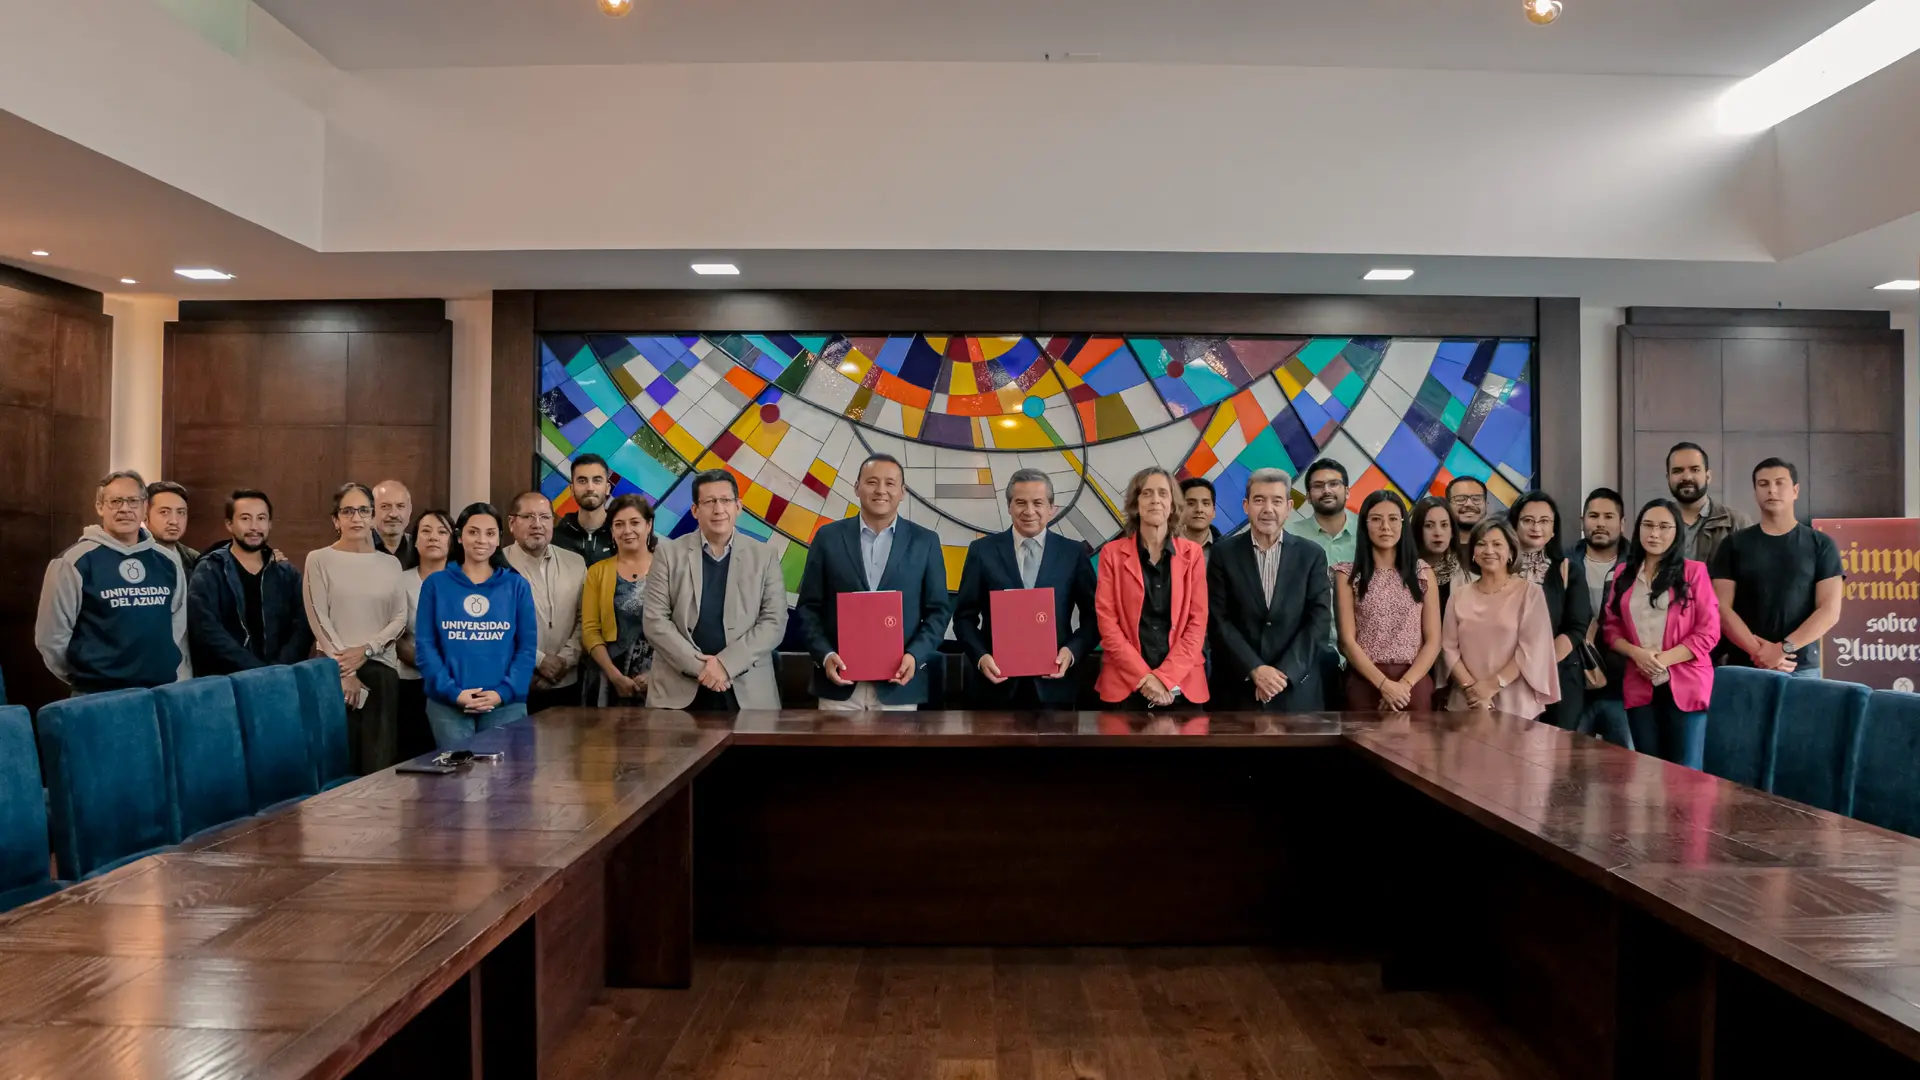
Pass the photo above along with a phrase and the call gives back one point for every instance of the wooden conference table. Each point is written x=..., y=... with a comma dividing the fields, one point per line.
x=1631, y=917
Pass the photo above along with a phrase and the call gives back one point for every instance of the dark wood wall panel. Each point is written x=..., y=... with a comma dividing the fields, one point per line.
x=297, y=399
x=1821, y=389
x=56, y=368
x=519, y=316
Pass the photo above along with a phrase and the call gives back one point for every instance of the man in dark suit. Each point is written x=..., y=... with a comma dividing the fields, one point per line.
x=1270, y=607
x=1026, y=556
x=873, y=551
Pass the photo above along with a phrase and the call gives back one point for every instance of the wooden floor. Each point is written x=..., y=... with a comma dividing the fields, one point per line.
x=1015, y=1014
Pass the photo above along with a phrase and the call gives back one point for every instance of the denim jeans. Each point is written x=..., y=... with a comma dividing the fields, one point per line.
x=1804, y=672
x=1662, y=729
x=454, y=727
x=1607, y=719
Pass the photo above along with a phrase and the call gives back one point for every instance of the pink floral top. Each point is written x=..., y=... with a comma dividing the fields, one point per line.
x=1387, y=618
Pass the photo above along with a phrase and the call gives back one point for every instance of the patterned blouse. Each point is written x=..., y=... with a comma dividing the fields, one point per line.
x=1387, y=619
x=1533, y=566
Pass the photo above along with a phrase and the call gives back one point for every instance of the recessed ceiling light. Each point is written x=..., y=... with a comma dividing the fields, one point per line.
x=41, y=254
x=1542, y=12
x=711, y=269
x=1850, y=50
x=1387, y=275
x=1902, y=285
x=128, y=281
x=203, y=274
x=616, y=8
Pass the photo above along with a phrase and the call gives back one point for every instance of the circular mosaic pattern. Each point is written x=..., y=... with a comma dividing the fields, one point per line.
x=769, y=414
x=1034, y=407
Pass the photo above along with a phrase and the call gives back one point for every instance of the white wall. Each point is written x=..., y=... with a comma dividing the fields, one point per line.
x=139, y=354
x=127, y=80
x=1849, y=163
x=1091, y=157
x=1599, y=397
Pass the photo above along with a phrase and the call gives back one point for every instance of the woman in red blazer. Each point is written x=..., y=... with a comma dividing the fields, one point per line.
x=1151, y=603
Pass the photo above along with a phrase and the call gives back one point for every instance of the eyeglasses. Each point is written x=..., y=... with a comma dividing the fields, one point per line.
x=127, y=502
x=536, y=518
x=1468, y=500
x=1326, y=485
x=714, y=501
x=1656, y=526
x=1537, y=522
x=354, y=512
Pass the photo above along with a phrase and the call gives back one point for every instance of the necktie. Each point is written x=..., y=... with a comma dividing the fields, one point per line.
x=1029, y=561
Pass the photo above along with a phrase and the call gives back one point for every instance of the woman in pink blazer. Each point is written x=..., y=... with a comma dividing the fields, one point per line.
x=1151, y=603
x=1660, y=613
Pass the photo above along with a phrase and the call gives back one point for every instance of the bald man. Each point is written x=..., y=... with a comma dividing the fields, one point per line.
x=392, y=516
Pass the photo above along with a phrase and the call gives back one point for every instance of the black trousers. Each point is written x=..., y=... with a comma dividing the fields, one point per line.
x=553, y=697
x=705, y=700
x=415, y=737
x=373, y=730
x=1333, y=680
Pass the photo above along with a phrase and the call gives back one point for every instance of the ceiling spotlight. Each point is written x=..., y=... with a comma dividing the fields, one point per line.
x=711, y=269
x=1541, y=12
x=41, y=254
x=615, y=8
x=128, y=281
x=204, y=274
x=1902, y=285
x=1387, y=275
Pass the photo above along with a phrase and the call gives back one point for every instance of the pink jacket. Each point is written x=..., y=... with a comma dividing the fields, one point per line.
x=1695, y=625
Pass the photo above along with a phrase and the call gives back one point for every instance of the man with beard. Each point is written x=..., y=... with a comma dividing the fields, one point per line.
x=1467, y=498
x=1598, y=552
x=1336, y=529
x=587, y=532
x=167, y=521
x=392, y=516
x=245, y=608
x=1704, y=523
x=557, y=577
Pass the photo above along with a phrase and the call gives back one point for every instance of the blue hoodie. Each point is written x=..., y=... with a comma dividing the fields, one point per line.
x=476, y=637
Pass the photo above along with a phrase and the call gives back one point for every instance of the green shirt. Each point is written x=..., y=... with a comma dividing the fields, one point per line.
x=1339, y=547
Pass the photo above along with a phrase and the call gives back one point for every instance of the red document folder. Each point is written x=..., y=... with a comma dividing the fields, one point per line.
x=872, y=635
x=1025, y=641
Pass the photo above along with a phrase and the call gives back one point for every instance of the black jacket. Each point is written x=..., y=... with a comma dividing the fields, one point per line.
x=915, y=568
x=1287, y=634
x=1066, y=567
x=216, y=622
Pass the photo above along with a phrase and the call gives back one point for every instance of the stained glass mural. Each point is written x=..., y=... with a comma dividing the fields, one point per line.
x=793, y=415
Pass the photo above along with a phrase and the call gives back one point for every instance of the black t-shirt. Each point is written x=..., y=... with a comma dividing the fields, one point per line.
x=250, y=610
x=1774, y=579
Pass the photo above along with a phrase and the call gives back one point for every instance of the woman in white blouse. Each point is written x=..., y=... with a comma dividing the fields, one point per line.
x=357, y=605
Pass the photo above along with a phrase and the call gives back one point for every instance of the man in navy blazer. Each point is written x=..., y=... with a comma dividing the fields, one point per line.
x=1005, y=561
x=875, y=550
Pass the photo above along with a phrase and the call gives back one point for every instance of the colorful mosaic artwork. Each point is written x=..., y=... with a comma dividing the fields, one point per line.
x=793, y=415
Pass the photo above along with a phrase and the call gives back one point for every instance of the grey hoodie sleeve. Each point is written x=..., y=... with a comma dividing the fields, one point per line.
x=59, y=607
x=180, y=622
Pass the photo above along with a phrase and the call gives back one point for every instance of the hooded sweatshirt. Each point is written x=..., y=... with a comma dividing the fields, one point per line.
x=114, y=615
x=476, y=637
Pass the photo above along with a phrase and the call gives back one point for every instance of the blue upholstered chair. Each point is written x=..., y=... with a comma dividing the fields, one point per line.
x=1886, y=788
x=1741, y=723
x=106, y=780
x=279, y=764
x=1816, y=745
x=24, y=851
x=325, y=715
x=206, y=757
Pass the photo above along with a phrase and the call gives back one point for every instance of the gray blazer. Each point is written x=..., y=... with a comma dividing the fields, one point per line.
x=755, y=614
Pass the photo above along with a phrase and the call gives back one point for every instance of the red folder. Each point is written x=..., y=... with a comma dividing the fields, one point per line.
x=872, y=635
x=1025, y=640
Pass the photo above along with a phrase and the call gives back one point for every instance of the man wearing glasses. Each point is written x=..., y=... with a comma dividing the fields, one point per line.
x=715, y=609
x=1467, y=498
x=113, y=607
x=558, y=576
x=1336, y=529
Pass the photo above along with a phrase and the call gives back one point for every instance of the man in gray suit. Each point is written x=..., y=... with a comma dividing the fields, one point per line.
x=716, y=607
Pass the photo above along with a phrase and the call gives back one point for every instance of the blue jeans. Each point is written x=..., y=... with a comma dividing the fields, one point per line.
x=454, y=727
x=1662, y=729
x=1607, y=718
x=1804, y=672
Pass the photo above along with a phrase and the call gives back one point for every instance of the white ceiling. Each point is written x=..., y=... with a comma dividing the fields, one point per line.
x=1666, y=37
x=102, y=220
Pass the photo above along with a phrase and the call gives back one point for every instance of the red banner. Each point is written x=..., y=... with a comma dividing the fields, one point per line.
x=1877, y=640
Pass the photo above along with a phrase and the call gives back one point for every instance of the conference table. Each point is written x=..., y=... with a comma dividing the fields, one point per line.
x=1631, y=918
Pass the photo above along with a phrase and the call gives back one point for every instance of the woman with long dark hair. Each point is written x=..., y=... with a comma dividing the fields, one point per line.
x=1388, y=613
x=611, y=611
x=1661, y=614
x=357, y=605
x=431, y=542
x=1496, y=635
x=476, y=636
x=1433, y=538
x=1535, y=518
